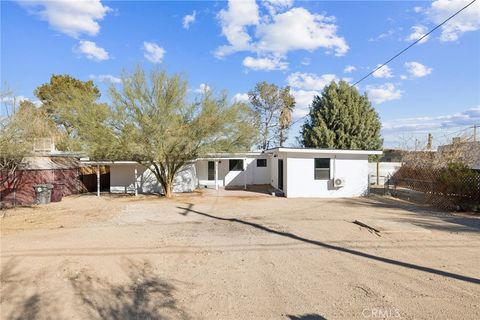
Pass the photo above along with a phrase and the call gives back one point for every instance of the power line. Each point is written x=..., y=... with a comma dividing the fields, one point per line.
x=398, y=54
x=415, y=42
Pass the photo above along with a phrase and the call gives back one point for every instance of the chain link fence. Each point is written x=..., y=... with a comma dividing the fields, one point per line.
x=454, y=187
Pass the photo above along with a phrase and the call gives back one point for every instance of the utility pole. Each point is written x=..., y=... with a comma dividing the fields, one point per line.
x=429, y=142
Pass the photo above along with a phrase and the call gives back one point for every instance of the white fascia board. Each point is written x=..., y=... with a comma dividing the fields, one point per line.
x=107, y=162
x=324, y=151
x=234, y=155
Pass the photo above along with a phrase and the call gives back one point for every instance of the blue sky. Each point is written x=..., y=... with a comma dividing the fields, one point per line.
x=433, y=87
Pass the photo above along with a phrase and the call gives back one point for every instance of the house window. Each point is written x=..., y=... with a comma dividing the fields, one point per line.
x=261, y=162
x=322, y=168
x=236, y=165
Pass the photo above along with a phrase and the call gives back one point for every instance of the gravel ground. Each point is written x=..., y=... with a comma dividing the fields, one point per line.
x=237, y=256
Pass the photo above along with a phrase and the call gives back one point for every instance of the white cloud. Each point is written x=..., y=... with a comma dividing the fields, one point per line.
x=465, y=118
x=303, y=101
x=382, y=35
x=92, y=51
x=234, y=22
x=72, y=18
x=189, y=19
x=383, y=93
x=16, y=100
x=108, y=78
x=275, y=6
x=266, y=64
x=418, y=32
x=403, y=77
x=417, y=9
x=203, y=88
x=310, y=81
x=276, y=33
x=299, y=29
x=240, y=97
x=417, y=70
x=153, y=52
x=383, y=72
x=467, y=20
x=349, y=69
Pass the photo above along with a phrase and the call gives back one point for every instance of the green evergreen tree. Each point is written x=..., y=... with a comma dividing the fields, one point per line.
x=72, y=106
x=342, y=118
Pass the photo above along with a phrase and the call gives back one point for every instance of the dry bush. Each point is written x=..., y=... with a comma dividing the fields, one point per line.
x=445, y=176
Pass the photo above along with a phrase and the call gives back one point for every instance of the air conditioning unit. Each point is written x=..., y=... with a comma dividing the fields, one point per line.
x=339, y=182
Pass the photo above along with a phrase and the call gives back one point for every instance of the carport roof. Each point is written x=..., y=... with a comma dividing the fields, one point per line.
x=323, y=151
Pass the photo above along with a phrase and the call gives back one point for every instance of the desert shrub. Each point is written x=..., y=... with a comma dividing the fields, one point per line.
x=452, y=186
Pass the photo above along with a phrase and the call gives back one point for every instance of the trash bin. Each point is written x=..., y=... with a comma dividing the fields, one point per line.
x=57, y=192
x=43, y=193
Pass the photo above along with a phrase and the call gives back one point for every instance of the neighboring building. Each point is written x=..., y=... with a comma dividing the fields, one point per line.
x=399, y=155
x=392, y=155
x=60, y=171
x=380, y=172
x=459, y=150
x=47, y=165
x=293, y=171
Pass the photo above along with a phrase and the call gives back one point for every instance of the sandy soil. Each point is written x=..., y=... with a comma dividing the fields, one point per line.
x=240, y=256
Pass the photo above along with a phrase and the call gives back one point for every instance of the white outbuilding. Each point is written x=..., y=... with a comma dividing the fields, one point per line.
x=323, y=173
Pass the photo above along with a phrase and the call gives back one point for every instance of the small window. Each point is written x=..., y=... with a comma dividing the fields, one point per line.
x=236, y=165
x=261, y=162
x=322, y=168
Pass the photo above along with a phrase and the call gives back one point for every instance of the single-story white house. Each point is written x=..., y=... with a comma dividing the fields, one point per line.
x=295, y=172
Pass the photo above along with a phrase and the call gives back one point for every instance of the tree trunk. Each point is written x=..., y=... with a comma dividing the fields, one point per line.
x=168, y=189
x=282, y=138
x=265, y=137
x=165, y=175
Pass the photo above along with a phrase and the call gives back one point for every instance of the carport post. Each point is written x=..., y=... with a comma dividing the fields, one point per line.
x=245, y=173
x=98, y=180
x=135, y=184
x=216, y=174
x=378, y=173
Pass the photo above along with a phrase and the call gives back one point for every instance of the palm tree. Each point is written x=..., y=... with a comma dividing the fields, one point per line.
x=285, y=119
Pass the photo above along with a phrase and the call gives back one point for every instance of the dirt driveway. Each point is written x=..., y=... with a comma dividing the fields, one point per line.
x=237, y=257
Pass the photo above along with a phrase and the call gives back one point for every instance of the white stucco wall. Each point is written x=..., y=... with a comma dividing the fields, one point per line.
x=300, y=176
x=226, y=178
x=386, y=169
x=122, y=179
x=298, y=180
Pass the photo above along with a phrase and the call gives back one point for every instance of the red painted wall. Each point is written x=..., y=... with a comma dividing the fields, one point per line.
x=19, y=191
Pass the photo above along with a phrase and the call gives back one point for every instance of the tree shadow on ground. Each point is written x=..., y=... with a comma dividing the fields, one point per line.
x=423, y=217
x=20, y=292
x=310, y=316
x=143, y=296
x=334, y=247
